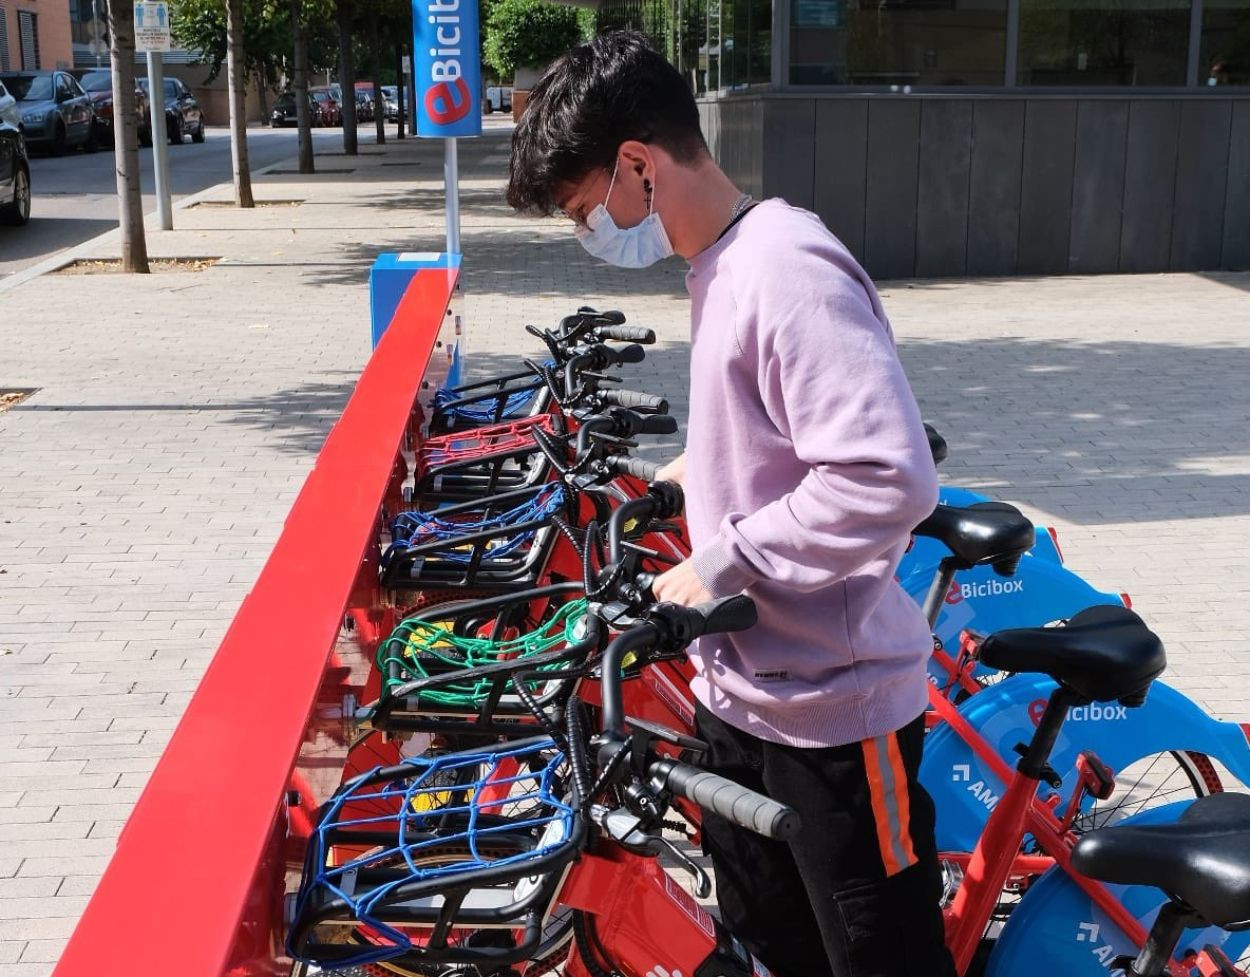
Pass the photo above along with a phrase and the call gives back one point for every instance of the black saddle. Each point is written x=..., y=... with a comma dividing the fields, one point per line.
x=1203, y=859
x=937, y=444
x=985, y=532
x=1102, y=654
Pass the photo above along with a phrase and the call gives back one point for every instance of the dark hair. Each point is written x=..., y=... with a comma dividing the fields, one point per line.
x=594, y=98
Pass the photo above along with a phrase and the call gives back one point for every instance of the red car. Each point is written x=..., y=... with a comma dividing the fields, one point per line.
x=327, y=108
x=98, y=83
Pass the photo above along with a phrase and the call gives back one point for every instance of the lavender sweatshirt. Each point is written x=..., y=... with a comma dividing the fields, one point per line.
x=806, y=468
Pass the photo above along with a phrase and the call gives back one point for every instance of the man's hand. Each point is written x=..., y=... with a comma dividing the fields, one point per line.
x=674, y=471
x=681, y=585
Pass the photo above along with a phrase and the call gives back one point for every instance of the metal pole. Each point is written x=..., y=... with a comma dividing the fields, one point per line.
x=451, y=190
x=160, y=138
x=95, y=16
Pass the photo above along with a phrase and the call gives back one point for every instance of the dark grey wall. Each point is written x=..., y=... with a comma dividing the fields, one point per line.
x=937, y=185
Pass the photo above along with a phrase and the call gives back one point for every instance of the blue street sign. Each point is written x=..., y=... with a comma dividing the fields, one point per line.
x=448, y=68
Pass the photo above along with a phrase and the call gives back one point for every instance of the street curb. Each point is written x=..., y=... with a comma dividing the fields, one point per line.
x=63, y=258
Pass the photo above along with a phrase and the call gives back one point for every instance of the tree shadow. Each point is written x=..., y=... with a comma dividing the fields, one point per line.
x=295, y=420
x=1098, y=432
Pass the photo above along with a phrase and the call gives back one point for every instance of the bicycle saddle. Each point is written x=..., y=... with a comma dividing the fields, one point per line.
x=985, y=532
x=1103, y=653
x=1203, y=859
x=937, y=444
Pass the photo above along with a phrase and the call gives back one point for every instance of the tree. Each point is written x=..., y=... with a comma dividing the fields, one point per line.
x=344, y=13
x=121, y=25
x=237, y=78
x=375, y=72
x=300, y=58
x=528, y=34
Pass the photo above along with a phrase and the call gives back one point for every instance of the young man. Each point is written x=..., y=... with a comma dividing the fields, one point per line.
x=806, y=467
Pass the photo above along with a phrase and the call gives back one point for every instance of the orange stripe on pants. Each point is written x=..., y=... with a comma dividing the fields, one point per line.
x=887, y=786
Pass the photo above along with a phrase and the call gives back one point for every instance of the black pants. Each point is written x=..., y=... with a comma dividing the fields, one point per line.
x=856, y=892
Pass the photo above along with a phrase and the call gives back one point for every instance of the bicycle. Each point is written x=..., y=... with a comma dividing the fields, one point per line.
x=1201, y=861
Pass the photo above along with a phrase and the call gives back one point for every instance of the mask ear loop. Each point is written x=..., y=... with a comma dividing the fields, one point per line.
x=611, y=183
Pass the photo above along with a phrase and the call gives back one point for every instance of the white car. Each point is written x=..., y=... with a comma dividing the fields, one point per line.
x=8, y=108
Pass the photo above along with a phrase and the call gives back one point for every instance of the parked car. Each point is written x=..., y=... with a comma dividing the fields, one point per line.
x=328, y=111
x=284, y=114
x=182, y=111
x=56, y=112
x=98, y=83
x=390, y=107
x=364, y=106
x=8, y=109
x=497, y=99
x=14, y=166
x=390, y=95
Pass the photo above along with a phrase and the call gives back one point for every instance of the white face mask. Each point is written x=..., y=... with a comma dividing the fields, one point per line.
x=626, y=247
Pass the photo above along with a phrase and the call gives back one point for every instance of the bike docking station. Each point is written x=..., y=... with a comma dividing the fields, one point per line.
x=221, y=829
x=449, y=727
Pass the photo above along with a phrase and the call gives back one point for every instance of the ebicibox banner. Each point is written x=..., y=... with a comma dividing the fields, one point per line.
x=448, y=68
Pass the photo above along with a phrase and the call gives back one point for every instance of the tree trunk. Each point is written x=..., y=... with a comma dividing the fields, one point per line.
x=302, y=115
x=375, y=67
x=121, y=23
x=411, y=94
x=347, y=76
x=262, y=90
x=237, y=83
x=399, y=88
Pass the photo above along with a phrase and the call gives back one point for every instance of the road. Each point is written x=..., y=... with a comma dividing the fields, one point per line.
x=75, y=196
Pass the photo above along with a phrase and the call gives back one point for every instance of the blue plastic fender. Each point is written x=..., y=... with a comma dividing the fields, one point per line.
x=1056, y=929
x=925, y=554
x=965, y=791
x=1041, y=591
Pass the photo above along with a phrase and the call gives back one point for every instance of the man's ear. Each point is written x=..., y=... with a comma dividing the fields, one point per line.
x=638, y=158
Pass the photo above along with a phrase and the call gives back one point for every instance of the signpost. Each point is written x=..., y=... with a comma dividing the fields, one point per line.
x=449, y=87
x=152, y=36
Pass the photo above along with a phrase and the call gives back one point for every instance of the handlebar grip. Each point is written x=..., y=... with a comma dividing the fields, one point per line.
x=735, y=803
x=636, y=400
x=627, y=334
x=658, y=424
x=937, y=444
x=632, y=353
x=625, y=465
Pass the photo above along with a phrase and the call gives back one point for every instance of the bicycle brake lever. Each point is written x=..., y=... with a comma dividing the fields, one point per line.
x=702, y=884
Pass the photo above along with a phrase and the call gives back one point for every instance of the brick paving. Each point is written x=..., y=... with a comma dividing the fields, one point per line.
x=178, y=414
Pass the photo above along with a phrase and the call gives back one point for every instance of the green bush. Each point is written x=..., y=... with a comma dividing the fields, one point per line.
x=528, y=34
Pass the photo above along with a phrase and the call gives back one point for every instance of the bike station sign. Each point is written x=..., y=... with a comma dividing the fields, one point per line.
x=448, y=70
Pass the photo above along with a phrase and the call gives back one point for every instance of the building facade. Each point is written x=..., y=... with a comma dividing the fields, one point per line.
x=35, y=35
x=982, y=137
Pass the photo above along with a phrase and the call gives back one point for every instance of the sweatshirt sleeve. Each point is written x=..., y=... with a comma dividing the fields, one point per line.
x=831, y=381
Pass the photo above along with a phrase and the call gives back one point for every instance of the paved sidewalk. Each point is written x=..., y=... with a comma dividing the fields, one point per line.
x=178, y=414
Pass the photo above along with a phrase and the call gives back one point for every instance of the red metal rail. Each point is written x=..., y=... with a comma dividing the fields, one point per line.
x=196, y=885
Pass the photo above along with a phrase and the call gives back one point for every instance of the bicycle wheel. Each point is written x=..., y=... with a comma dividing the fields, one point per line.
x=1153, y=780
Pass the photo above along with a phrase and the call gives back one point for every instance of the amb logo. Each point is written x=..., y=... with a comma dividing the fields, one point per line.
x=977, y=788
x=1103, y=952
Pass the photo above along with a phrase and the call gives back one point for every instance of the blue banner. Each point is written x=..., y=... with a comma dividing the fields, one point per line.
x=448, y=68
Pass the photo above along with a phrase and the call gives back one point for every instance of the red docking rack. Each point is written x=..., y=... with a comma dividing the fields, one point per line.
x=196, y=886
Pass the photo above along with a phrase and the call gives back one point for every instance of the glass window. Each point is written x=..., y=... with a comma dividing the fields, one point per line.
x=898, y=42
x=1103, y=42
x=1225, y=48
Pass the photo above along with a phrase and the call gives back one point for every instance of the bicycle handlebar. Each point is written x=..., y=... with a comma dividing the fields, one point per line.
x=733, y=802
x=626, y=334
x=672, y=627
x=637, y=467
x=635, y=400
